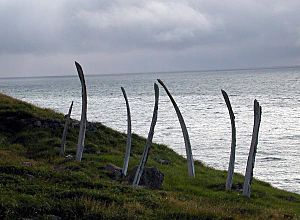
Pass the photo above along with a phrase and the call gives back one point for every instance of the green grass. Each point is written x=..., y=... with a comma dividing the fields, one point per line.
x=36, y=183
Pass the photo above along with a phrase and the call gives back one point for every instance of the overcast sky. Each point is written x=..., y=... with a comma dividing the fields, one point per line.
x=116, y=36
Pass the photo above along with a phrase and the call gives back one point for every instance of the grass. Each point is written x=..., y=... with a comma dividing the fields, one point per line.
x=36, y=183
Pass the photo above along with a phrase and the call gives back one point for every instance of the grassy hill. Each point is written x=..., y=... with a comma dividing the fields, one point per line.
x=36, y=183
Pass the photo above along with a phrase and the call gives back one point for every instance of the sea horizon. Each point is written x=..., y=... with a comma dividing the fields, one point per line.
x=162, y=72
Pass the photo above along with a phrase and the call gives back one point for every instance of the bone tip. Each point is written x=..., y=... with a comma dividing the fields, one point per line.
x=160, y=82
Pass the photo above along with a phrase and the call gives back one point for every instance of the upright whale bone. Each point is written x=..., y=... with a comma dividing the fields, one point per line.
x=83, y=120
x=189, y=154
x=64, y=136
x=128, y=142
x=145, y=155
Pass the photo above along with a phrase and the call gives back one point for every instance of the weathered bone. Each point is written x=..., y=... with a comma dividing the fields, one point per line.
x=83, y=121
x=145, y=154
x=253, y=149
x=128, y=142
x=233, y=142
x=64, y=136
x=189, y=154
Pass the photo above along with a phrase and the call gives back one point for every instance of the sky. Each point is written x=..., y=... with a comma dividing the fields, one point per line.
x=39, y=38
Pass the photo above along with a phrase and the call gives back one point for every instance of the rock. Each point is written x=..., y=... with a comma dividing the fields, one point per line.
x=163, y=162
x=69, y=157
x=237, y=187
x=38, y=123
x=29, y=176
x=50, y=123
x=114, y=172
x=151, y=177
x=52, y=217
x=27, y=164
x=91, y=127
x=98, y=152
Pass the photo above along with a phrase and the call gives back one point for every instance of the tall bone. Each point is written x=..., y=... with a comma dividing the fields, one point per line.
x=128, y=142
x=64, y=136
x=233, y=142
x=252, y=151
x=83, y=121
x=189, y=154
x=145, y=155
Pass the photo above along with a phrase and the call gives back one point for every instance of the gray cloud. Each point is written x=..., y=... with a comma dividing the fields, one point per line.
x=44, y=37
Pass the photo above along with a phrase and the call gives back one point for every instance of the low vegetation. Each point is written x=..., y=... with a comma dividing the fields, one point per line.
x=36, y=183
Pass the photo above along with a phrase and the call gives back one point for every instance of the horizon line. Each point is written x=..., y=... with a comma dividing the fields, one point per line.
x=173, y=71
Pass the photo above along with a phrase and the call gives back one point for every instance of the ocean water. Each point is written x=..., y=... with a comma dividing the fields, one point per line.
x=200, y=100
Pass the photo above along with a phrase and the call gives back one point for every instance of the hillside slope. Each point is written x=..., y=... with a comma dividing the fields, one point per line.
x=36, y=183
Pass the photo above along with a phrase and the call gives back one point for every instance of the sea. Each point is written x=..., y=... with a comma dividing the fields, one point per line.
x=198, y=95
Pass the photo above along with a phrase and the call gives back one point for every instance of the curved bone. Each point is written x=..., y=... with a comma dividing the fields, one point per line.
x=233, y=142
x=128, y=142
x=189, y=154
x=64, y=136
x=252, y=151
x=83, y=121
x=145, y=155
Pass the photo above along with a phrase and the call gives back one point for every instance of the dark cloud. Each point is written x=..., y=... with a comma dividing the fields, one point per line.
x=44, y=37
